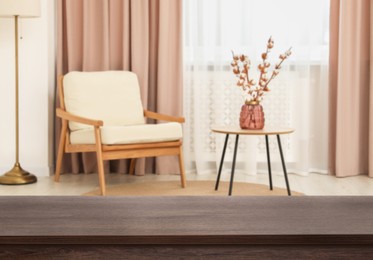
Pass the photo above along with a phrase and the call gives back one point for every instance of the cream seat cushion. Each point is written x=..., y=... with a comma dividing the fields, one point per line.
x=146, y=133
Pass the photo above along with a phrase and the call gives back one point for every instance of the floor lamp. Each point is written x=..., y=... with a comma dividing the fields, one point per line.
x=18, y=9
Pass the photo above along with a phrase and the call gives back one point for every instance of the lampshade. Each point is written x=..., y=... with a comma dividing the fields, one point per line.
x=22, y=8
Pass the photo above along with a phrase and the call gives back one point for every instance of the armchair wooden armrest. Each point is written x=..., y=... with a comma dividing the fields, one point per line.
x=70, y=117
x=158, y=116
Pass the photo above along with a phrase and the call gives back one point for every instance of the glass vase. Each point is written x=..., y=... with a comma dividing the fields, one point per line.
x=252, y=116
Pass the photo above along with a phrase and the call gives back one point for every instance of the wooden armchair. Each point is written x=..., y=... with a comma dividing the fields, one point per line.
x=102, y=112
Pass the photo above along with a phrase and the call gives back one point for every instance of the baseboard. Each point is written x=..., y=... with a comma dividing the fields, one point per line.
x=35, y=170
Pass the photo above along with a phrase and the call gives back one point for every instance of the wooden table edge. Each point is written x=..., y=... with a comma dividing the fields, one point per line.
x=275, y=239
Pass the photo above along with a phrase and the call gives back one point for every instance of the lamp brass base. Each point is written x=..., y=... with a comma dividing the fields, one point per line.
x=17, y=176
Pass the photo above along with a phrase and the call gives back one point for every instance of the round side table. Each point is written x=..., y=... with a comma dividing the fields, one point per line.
x=235, y=130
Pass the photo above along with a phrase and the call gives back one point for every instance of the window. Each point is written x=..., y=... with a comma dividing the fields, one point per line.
x=298, y=96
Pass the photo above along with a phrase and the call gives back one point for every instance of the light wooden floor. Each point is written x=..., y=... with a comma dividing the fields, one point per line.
x=314, y=184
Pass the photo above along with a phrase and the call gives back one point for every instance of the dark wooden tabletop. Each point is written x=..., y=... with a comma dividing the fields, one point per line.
x=186, y=220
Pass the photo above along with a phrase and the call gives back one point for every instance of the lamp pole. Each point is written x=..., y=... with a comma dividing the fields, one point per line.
x=17, y=175
x=17, y=86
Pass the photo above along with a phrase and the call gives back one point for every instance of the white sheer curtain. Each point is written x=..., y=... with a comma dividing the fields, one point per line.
x=298, y=96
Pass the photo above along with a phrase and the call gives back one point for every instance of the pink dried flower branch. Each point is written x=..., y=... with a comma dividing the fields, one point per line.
x=241, y=65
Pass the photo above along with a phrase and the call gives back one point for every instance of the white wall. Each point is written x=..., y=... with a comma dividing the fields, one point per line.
x=36, y=91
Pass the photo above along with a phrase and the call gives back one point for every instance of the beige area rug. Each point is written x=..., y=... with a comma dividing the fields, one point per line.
x=194, y=188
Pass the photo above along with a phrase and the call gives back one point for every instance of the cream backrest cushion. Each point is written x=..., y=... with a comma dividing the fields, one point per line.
x=110, y=96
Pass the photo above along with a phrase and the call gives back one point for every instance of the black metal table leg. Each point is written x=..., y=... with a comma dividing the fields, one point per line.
x=221, y=162
x=269, y=164
x=283, y=165
x=233, y=166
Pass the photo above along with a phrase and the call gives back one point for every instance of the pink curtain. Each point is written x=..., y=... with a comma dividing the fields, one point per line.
x=351, y=92
x=143, y=36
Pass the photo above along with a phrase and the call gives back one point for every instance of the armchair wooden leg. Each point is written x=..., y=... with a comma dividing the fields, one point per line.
x=101, y=173
x=100, y=162
x=132, y=166
x=61, y=148
x=181, y=165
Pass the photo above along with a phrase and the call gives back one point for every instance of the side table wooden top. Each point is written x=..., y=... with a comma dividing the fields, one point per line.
x=265, y=131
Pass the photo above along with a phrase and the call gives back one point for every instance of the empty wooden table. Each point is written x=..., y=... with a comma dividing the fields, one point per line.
x=186, y=227
x=235, y=130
